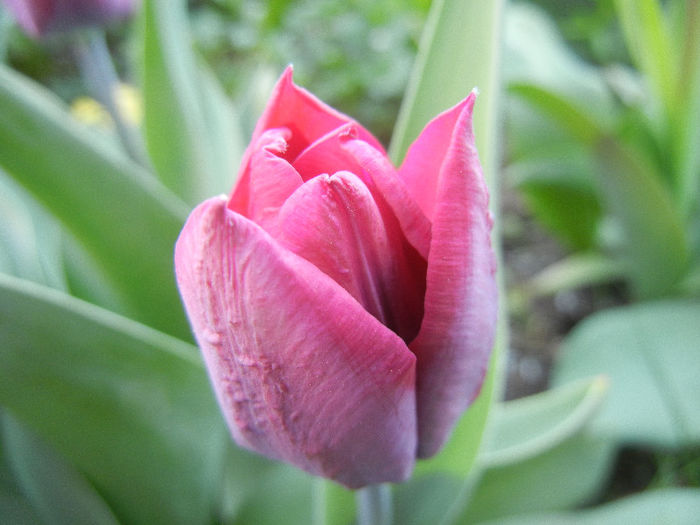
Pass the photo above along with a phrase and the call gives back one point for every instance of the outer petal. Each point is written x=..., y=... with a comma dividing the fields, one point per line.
x=301, y=371
x=455, y=339
x=334, y=222
x=424, y=160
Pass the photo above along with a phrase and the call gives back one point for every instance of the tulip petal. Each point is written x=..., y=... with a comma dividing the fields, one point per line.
x=299, y=111
x=326, y=156
x=376, y=167
x=302, y=372
x=425, y=157
x=455, y=339
x=334, y=223
x=272, y=179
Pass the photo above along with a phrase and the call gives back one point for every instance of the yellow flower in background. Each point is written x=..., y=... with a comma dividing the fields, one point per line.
x=129, y=103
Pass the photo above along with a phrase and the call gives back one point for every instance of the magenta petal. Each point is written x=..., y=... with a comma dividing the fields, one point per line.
x=426, y=156
x=375, y=166
x=334, y=222
x=297, y=110
x=455, y=340
x=326, y=156
x=272, y=179
x=302, y=372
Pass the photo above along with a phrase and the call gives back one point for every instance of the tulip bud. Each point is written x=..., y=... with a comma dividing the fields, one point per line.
x=38, y=17
x=345, y=309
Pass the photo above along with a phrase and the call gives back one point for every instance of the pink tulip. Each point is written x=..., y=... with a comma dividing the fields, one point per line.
x=38, y=17
x=346, y=310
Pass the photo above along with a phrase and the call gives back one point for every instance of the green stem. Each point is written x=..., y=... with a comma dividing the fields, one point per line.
x=374, y=506
x=101, y=79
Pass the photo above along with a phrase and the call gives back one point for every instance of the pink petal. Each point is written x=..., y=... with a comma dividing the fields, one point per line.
x=377, y=168
x=293, y=108
x=272, y=179
x=335, y=223
x=302, y=372
x=421, y=167
x=326, y=155
x=454, y=343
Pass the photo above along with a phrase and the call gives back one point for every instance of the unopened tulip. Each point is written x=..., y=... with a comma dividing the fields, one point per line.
x=38, y=17
x=345, y=309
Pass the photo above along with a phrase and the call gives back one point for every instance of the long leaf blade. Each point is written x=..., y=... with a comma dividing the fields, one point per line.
x=130, y=407
x=127, y=221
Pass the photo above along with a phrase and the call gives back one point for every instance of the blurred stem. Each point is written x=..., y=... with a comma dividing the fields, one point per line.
x=374, y=506
x=101, y=79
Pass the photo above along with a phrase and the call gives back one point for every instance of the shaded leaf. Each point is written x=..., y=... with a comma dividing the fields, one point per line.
x=130, y=407
x=59, y=493
x=650, y=353
x=671, y=506
x=126, y=220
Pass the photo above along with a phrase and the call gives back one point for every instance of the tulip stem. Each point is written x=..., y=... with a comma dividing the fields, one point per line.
x=374, y=505
x=101, y=79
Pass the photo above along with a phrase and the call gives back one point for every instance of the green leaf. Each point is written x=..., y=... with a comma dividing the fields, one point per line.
x=669, y=506
x=130, y=407
x=188, y=122
x=59, y=493
x=650, y=45
x=531, y=426
x=575, y=271
x=560, y=190
x=564, y=476
x=126, y=220
x=578, y=122
x=653, y=245
x=649, y=351
x=525, y=439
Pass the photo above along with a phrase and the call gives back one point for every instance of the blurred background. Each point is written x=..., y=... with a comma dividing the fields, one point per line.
x=599, y=179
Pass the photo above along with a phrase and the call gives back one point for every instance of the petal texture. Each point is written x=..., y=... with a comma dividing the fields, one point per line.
x=455, y=340
x=302, y=372
x=335, y=223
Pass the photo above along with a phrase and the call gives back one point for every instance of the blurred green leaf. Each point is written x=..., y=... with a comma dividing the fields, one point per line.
x=59, y=493
x=531, y=426
x=564, y=476
x=30, y=239
x=126, y=220
x=575, y=271
x=580, y=124
x=559, y=188
x=666, y=506
x=649, y=43
x=130, y=407
x=654, y=247
x=188, y=122
x=15, y=508
x=650, y=352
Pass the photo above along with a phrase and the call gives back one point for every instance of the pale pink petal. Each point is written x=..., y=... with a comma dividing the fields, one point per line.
x=272, y=179
x=376, y=167
x=421, y=166
x=302, y=372
x=454, y=343
x=335, y=223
